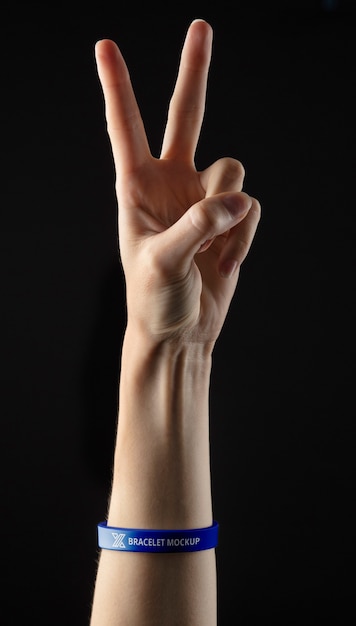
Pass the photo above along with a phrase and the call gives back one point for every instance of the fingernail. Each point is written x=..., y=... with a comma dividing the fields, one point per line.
x=236, y=206
x=228, y=268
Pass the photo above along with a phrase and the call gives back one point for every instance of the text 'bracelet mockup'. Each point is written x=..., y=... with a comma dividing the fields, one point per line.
x=139, y=540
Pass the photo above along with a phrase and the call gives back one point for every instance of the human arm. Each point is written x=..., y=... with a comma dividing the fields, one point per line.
x=183, y=235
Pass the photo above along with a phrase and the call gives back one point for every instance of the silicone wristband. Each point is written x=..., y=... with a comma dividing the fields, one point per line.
x=139, y=540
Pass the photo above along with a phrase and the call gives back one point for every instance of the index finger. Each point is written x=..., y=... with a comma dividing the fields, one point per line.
x=124, y=122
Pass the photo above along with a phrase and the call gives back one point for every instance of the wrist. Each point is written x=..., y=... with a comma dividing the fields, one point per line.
x=145, y=353
x=165, y=381
x=162, y=466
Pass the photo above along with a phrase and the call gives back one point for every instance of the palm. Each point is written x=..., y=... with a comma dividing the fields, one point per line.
x=158, y=195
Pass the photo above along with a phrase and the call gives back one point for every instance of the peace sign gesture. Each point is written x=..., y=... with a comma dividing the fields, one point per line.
x=183, y=233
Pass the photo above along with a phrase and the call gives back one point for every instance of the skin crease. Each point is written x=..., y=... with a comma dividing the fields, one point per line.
x=183, y=235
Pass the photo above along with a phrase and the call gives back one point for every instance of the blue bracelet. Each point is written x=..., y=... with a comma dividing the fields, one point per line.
x=138, y=540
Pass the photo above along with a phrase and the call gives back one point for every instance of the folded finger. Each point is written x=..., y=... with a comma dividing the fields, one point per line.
x=203, y=221
x=226, y=174
x=239, y=241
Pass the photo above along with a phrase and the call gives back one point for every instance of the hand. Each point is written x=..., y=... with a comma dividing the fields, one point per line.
x=183, y=234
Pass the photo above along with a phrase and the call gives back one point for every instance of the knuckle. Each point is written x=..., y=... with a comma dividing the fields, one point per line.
x=232, y=169
x=256, y=210
x=157, y=265
x=203, y=217
x=244, y=246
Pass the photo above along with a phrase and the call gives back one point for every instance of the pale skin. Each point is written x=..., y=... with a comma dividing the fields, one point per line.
x=183, y=235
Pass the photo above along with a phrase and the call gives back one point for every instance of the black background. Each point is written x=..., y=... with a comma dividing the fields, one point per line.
x=280, y=99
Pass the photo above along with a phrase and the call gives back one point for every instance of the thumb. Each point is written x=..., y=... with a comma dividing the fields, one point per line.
x=203, y=221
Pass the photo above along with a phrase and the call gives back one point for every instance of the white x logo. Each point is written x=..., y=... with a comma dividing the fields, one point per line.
x=118, y=540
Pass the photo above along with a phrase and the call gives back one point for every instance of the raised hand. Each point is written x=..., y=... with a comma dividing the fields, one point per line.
x=183, y=233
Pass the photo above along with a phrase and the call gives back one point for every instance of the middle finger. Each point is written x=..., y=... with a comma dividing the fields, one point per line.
x=187, y=105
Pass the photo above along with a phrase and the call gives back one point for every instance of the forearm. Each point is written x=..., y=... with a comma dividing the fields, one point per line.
x=161, y=479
